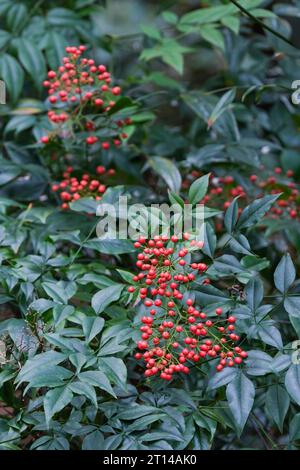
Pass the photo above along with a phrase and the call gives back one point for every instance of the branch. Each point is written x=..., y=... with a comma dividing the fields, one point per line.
x=262, y=24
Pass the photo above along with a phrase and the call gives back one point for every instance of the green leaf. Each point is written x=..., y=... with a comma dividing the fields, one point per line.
x=125, y=275
x=85, y=390
x=294, y=431
x=62, y=17
x=255, y=263
x=98, y=379
x=4, y=6
x=210, y=240
x=91, y=327
x=240, y=244
x=13, y=76
x=16, y=17
x=105, y=297
x=55, y=400
x=292, y=306
x=150, y=31
x=51, y=443
x=175, y=199
x=222, y=378
x=149, y=54
x=110, y=247
x=231, y=216
x=207, y=15
x=93, y=441
x=171, y=52
x=39, y=362
x=222, y=105
x=41, y=305
x=249, y=4
x=258, y=363
x=277, y=404
x=270, y=335
x=228, y=264
x=115, y=369
x=168, y=171
x=8, y=172
x=5, y=37
x=205, y=422
x=198, y=189
x=79, y=4
x=255, y=211
x=50, y=376
x=111, y=347
x=262, y=13
x=157, y=435
x=60, y=291
x=280, y=363
x=240, y=394
x=232, y=23
x=213, y=36
x=62, y=313
x=170, y=17
x=32, y=60
x=55, y=50
x=254, y=293
x=20, y=123
x=285, y=274
x=210, y=295
x=85, y=204
x=136, y=411
x=142, y=423
x=174, y=58
x=292, y=382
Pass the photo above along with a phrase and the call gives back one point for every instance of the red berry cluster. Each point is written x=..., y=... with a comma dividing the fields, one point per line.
x=177, y=333
x=72, y=188
x=288, y=203
x=223, y=189
x=78, y=89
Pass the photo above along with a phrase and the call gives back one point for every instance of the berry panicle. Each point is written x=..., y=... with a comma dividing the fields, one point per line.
x=78, y=90
x=176, y=332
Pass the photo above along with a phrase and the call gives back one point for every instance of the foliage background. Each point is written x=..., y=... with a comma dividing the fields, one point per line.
x=66, y=318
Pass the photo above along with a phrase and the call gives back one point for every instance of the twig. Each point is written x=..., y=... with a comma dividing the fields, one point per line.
x=262, y=24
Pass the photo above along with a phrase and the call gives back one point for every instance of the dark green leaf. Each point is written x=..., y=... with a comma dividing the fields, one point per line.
x=55, y=400
x=32, y=60
x=105, y=297
x=255, y=211
x=13, y=76
x=292, y=382
x=284, y=274
x=168, y=171
x=198, y=189
x=240, y=395
x=277, y=404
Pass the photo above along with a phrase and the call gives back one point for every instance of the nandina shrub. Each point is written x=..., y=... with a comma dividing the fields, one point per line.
x=163, y=343
x=83, y=113
x=86, y=117
x=78, y=90
x=224, y=188
x=73, y=188
x=74, y=359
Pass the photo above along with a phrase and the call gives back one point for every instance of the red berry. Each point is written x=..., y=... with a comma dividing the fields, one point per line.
x=45, y=139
